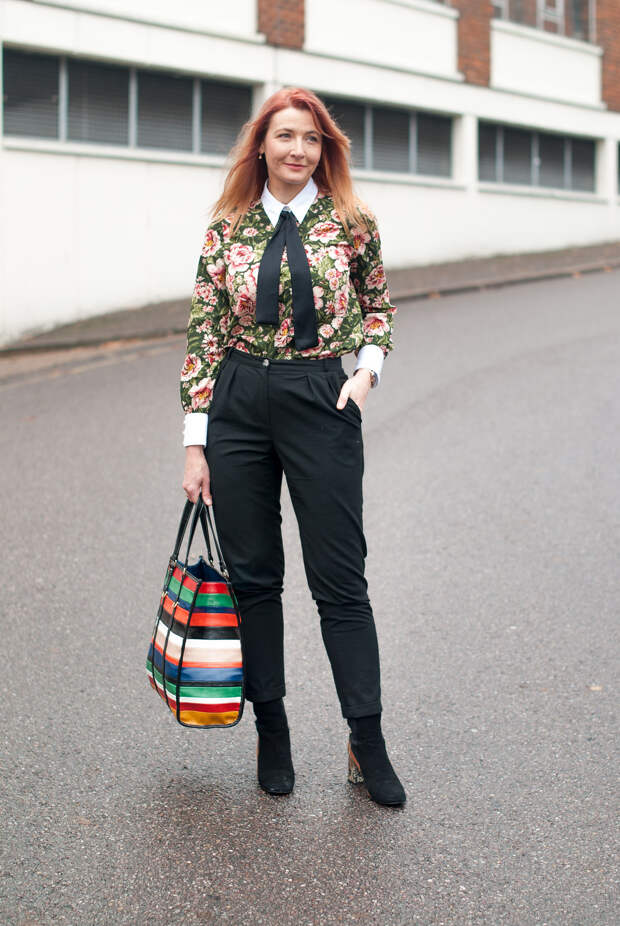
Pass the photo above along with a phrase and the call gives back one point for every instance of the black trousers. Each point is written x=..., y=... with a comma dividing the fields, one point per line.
x=270, y=417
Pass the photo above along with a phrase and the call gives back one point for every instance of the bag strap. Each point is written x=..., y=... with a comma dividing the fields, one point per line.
x=182, y=528
x=218, y=550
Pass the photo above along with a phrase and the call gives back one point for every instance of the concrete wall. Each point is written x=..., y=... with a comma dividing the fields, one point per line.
x=238, y=17
x=417, y=35
x=87, y=228
x=557, y=67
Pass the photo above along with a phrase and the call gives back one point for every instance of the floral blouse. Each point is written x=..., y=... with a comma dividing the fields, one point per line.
x=350, y=295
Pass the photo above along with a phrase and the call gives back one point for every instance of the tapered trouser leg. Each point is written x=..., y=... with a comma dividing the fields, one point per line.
x=282, y=417
x=246, y=481
x=321, y=449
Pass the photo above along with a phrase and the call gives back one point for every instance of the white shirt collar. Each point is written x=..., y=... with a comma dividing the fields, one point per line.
x=299, y=205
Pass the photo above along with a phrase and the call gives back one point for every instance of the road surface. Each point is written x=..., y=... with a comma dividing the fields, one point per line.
x=492, y=516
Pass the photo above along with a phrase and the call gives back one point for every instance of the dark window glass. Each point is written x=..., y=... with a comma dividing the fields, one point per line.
x=487, y=151
x=583, y=160
x=518, y=13
x=434, y=145
x=98, y=103
x=551, y=153
x=164, y=111
x=30, y=94
x=225, y=108
x=517, y=156
x=350, y=118
x=577, y=11
x=390, y=148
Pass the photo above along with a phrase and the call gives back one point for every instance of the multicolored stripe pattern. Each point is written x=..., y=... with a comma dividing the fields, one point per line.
x=194, y=660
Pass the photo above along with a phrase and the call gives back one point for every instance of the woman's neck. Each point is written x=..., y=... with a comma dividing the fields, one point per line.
x=284, y=192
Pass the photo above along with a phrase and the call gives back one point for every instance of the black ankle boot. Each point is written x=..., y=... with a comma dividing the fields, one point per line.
x=369, y=763
x=273, y=750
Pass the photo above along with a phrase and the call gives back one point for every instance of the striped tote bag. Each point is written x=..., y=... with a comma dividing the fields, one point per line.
x=194, y=661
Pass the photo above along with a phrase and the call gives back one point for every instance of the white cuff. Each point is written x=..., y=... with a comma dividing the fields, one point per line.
x=370, y=357
x=195, y=429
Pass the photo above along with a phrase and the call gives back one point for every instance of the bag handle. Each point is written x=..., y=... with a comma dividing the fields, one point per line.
x=203, y=514
x=182, y=528
x=211, y=519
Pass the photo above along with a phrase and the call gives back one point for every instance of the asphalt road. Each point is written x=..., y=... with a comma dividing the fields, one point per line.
x=492, y=517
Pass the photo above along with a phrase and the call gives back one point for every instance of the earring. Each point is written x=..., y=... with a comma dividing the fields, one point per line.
x=260, y=155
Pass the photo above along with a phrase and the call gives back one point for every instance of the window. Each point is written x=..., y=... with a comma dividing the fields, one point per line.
x=434, y=138
x=575, y=18
x=487, y=151
x=550, y=15
x=582, y=164
x=98, y=103
x=350, y=118
x=392, y=139
x=55, y=96
x=30, y=94
x=551, y=150
x=511, y=155
x=164, y=111
x=517, y=156
x=225, y=108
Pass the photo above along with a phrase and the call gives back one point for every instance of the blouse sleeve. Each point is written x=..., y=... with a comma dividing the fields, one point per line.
x=371, y=286
x=208, y=324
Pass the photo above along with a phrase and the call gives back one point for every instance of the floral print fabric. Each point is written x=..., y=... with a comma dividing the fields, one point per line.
x=350, y=295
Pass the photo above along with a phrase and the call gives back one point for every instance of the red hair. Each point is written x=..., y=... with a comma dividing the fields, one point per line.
x=246, y=178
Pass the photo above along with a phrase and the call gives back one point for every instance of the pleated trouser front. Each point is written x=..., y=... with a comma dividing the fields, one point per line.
x=279, y=416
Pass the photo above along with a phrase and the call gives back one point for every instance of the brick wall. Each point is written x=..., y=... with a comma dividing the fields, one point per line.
x=474, y=39
x=282, y=22
x=608, y=37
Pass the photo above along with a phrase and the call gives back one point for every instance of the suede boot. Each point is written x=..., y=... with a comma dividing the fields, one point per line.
x=369, y=763
x=273, y=749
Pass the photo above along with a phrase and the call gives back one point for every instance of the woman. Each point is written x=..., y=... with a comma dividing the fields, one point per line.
x=289, y=279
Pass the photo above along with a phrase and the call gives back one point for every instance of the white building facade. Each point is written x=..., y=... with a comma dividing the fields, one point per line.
x=117, y=118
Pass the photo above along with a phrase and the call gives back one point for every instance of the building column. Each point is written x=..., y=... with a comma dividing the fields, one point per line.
x=263, y=91
x=465, y=151
x=607, y=170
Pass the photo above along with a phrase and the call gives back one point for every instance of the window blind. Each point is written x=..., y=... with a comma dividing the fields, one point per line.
x=30, y=94
x=487, y=151
x=225, y=108
x=551, y=154
x=164, y=111
x=583, y=161
x=390, y=139
x=517, y=156
x=434, y=154
x=350, y=118
x=98, y=103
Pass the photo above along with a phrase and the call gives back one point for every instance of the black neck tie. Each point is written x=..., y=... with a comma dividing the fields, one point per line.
x=304, y=314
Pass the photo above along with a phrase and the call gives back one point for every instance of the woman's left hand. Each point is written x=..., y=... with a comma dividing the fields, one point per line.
x=356, y=388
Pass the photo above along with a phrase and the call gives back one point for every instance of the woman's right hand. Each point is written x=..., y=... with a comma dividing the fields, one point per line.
x=196, y=478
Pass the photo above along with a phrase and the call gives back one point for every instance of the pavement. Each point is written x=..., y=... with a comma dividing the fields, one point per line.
x=431, y=281
x=491, y=514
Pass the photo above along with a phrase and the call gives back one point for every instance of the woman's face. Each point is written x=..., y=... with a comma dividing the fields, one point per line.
x=292, y=149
